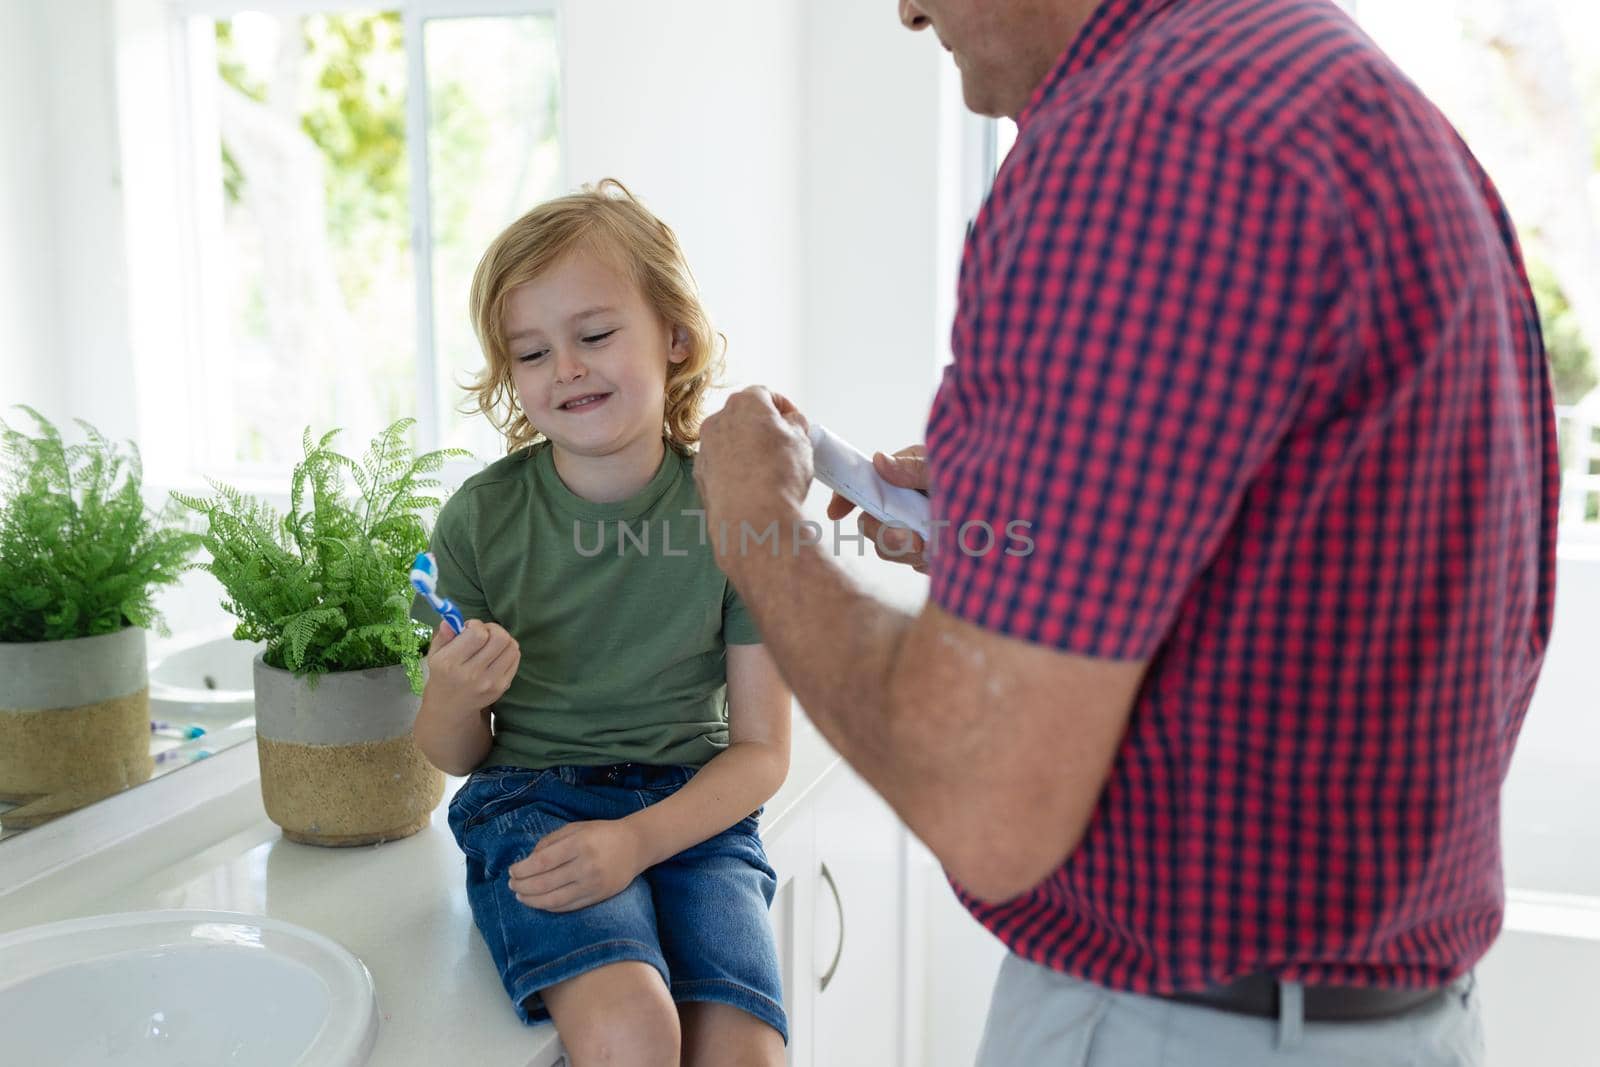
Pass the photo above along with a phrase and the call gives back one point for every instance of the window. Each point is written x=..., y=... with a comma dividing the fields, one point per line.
x=341, y=167
x=979, y=145
x=1005, y=136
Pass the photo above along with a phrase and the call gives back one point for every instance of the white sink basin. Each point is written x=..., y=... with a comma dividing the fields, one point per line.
x=210, y=680
x=201, y=988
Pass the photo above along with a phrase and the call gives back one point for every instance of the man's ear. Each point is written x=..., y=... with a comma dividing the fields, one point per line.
x=678, y=348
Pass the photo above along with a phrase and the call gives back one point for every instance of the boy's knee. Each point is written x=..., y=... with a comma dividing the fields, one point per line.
x=719, y=1035
x=647, y=1039
x=639, y=1028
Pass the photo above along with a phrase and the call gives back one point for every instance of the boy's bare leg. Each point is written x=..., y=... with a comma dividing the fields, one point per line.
x=720, y=1035
x=617, y=1014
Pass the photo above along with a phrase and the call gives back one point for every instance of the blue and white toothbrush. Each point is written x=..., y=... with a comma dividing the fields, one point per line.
x=176, y=729
x=425, y=578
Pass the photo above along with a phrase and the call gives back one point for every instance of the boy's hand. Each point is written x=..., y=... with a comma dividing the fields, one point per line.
x=580, y=864
x=906, y=468
x=474, y=668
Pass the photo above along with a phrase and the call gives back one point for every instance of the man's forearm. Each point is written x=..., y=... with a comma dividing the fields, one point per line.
x=912, y=708
x=837, y=646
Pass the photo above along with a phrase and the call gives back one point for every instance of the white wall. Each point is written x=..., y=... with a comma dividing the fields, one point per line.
x=876, y=262
x=696, y=106
x=1562, y=717
x=796, y=150
x=1539, y=979
x=91, y=276
x=63, y=305
x=1552, y=794
x=873, y=225
x=28, y=373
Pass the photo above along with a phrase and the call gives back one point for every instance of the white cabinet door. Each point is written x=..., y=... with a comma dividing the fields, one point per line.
x=954, y=979
x=859, y=940
x=792, y=853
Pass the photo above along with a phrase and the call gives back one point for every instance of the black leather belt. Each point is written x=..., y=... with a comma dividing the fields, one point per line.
x=1258, y=994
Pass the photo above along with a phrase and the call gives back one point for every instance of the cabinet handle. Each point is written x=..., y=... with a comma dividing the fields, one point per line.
x=838, y=950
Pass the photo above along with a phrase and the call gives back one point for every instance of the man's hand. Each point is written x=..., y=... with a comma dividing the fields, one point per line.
x=907, y=468
x=474, y=668
x=753, y=467
x=580, y=864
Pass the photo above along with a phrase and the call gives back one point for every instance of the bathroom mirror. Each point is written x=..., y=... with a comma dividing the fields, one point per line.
x=199, y=702
x=225, y=222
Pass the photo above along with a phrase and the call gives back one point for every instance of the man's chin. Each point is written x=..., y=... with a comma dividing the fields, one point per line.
x=981, y=99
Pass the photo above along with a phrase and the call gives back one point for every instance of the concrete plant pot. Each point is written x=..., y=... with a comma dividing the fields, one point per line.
x=339, y=766
x=74, y=722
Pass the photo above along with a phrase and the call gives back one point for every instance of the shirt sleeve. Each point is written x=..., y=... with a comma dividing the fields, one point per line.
x=738, y=628
x=456, y=554
x=1136, y=322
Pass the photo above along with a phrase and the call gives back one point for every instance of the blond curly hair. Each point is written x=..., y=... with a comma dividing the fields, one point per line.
x=607, y=219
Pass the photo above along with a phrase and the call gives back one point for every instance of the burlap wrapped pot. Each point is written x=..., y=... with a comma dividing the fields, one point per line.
x=339, y=765
x=74, y=722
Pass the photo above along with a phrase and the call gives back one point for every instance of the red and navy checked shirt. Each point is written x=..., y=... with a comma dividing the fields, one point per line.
x=1245, y=336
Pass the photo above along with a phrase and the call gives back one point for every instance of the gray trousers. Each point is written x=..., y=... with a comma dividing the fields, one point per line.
x=1041, y=1018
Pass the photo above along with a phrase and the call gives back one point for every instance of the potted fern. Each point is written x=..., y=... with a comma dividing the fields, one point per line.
x=80, y=559
x=338, y=684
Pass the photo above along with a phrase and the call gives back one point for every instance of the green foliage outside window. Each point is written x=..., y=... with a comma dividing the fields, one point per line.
x=80, y=553
x=327, y=585
x=1572, y=364
x=352, y=106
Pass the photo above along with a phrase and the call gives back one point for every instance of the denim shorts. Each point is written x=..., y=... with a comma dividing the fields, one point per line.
x=699, y=918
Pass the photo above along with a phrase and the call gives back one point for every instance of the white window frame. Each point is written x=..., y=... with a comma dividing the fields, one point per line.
x=966, y=170
x=167, y=69
x=1578, y=535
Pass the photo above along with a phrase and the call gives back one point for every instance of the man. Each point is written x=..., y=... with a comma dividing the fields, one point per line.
x=1245, y=340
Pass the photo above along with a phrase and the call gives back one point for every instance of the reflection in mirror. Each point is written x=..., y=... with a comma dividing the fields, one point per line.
x=81, y=559
x=200, y=703
x=227, y=222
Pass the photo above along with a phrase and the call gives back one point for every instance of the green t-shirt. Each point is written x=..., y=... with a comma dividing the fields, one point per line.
x=620, y=610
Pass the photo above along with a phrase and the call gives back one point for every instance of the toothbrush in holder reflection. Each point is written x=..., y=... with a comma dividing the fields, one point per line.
x=181, y=755
x=425, y=578
x=176, y=729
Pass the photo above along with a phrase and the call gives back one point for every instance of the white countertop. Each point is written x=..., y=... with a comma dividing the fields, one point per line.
x=401, y=907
